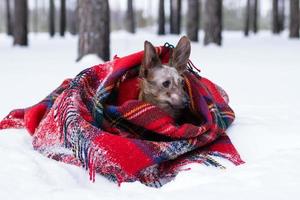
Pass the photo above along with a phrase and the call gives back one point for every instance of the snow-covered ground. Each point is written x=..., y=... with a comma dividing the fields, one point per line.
x=261, y=75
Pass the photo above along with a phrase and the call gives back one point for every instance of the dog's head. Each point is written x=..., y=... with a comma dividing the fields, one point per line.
x=162, y=85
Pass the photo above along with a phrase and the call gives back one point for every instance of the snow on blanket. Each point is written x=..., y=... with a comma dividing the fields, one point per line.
x=96, y=121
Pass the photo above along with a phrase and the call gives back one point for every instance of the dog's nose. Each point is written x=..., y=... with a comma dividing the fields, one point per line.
x=175, y=97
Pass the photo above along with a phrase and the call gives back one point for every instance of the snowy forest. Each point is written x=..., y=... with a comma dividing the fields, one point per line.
x=73, y=124
x=18, y=18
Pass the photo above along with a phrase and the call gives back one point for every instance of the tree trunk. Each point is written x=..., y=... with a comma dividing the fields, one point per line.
x=247, y=19
x=72, y=21
x=9, y=24
x=52, y=18
x=281, y=9
x=294, y=18
x=62, y=24
x=275, y=17
x=130, y=20
x=35, y=17
x=193, y=19
x=94, y=28
x=175, y=16
x=255, y=16
x=213, y=22
x=161, y=18
x=20, y=23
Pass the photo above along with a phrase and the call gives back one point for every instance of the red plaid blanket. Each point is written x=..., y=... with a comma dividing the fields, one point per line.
x=96, y=121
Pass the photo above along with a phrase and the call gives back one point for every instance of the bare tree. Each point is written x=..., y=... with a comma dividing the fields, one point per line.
x=130, y=19
x=251, y=17
x=193, y=19
x=247, y=18
x=175, y=16
x=213, y=22
x=72, y=19
x=94, y=28
x=161, y=17
x=255, y=16
x=20, y=23
x=62, y=21
x=281, y=10
x=35, y=17
x=294, y=19
x=52, y=18
x=9, y=24
x=275, y=17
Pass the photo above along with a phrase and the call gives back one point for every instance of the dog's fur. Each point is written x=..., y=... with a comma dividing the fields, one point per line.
x=163, y=85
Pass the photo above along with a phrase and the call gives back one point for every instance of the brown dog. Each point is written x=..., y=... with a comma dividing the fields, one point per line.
x=162, y=85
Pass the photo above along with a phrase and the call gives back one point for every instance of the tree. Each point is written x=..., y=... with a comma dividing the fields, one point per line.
x=35, y=16
x=72, y=19
x=275, y=17
x=20, y=23
x=175, y=16
x=247, y=18
x=9, y=25
x=294, y=19
x=193, y=19
x=52, y=18
x=62, y=24
x=281, y=10
x=255, y=16
x=213, y=22
x=278, y=16
x=251, y=18
x=94, y=28
x=161, y=17
x=130, y=19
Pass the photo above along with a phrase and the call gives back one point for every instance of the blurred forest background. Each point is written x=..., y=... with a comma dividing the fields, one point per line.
x=93, y=20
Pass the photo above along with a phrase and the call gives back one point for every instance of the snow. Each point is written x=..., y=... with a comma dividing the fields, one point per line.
x=260, y=74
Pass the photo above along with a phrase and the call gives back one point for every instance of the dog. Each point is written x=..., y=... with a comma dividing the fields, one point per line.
x=163, y=84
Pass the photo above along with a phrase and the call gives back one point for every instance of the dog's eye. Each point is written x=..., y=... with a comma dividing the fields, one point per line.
x=166, y=84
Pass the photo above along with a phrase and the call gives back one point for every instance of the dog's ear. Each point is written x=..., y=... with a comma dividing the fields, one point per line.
x=181, y=54
x=150, y=60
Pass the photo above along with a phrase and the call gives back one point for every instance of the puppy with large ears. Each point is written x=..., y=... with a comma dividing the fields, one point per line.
x=163, y=85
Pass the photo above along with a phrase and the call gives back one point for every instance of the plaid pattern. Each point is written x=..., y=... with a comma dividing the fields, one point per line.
x=82, y=123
